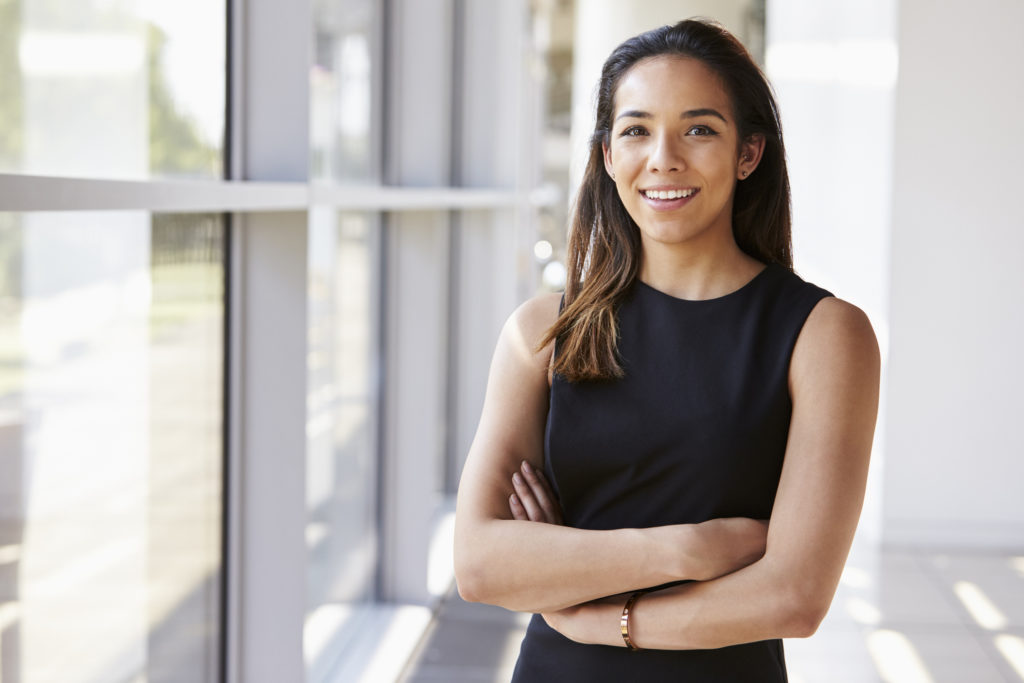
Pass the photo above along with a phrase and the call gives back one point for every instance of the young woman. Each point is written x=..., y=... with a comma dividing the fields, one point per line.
x=671, y=458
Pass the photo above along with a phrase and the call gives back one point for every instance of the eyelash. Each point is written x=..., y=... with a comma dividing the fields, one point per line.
x=636, y=131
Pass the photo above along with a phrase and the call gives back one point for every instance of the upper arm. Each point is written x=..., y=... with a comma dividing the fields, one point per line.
x=834, y=383
x=511, y=427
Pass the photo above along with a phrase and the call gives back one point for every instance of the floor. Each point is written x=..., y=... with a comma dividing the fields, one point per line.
x=899, y=615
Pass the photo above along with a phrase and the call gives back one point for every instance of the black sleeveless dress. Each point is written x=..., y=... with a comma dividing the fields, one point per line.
x=695, y=430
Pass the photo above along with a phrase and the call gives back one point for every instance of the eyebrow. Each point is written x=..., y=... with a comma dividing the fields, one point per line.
x=690, y=114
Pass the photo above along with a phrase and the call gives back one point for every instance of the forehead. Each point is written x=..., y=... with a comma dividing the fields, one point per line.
x=671, y=83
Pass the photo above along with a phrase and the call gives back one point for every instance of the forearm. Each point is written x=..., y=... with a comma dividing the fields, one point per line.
x=759, y=602
x=537, y=567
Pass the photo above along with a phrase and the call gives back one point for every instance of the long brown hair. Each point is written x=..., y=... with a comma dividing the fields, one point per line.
x=604, y=246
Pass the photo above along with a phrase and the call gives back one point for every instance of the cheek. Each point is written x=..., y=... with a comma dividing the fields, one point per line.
x=712, y=158
x=628, y=156
x=626, y=194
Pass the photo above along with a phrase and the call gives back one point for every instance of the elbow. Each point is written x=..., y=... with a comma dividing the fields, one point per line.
x=474, y=575
x=467, y=581
x=475, y=583
x=466, y=590
x=468, y=576
x=804, y=612
x=803, y=595
x=804, y=621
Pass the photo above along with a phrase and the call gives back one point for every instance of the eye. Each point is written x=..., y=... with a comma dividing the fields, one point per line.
x=633, y=131
x=701, y=131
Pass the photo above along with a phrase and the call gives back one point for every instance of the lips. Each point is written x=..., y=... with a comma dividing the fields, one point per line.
x=668, y=198
x=674, y=193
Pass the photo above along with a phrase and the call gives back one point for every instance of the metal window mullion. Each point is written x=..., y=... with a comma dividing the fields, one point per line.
x=418, y=151
x=271, y=144
x=231, y=524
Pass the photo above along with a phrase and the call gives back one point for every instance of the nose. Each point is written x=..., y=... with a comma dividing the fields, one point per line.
x=665, y=155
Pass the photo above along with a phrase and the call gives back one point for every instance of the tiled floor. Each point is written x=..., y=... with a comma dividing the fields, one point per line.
x=901, y=616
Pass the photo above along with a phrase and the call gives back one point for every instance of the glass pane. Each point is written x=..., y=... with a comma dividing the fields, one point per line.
x=110, y=446
x=341, y=483
x=343, y=107
x=553, y=26
x=127, y=89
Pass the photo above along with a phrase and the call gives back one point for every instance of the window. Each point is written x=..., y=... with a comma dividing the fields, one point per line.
x=112, y=90
x=344, y=113
x=110, y=438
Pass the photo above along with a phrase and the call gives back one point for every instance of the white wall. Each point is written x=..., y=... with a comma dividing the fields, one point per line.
x=955, y=472
x=833, y=66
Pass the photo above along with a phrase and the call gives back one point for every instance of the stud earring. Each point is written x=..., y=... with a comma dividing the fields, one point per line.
x=744, y=174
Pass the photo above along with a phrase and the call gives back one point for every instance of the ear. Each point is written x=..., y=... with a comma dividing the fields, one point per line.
x=751, y=151
x=608, y=160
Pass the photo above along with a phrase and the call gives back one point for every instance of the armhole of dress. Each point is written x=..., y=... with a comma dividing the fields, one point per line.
x=819, y=296
x=554, y=349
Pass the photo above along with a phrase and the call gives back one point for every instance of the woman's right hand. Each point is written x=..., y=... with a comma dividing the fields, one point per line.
x=727, y=544
x=533, y=500
x=713, y=548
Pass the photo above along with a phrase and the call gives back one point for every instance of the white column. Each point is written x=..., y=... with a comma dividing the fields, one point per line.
x=267, y=513
x=833, y=67
x=955, y=468
x=418, y=153
x=499, y=131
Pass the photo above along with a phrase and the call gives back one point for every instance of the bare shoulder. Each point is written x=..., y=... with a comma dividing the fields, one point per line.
x=531, y=320
x=836, y=337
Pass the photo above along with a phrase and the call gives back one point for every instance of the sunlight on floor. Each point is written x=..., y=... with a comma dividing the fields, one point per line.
x=862, y=611
x=896, y=658
x=1018, y=565
x=1012, y=647
x=983, y=610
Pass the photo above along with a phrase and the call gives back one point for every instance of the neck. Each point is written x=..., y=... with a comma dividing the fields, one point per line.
x=687, y=272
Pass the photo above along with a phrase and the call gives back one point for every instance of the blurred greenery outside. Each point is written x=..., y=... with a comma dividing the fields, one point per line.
x=186, y=253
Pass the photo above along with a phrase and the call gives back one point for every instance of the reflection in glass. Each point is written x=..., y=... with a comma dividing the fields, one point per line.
x=110, y=446
x=342, y=104
x=94, y=88
x=342, y=421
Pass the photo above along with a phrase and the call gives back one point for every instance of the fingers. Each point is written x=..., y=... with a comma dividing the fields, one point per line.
x=527, y=498
x=533, y=499
x=543, y=493
x=518, y=511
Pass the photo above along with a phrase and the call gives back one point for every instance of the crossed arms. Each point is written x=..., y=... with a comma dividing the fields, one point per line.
x=752, y=582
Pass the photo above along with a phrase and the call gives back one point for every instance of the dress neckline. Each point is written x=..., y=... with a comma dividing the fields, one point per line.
x=699, y=302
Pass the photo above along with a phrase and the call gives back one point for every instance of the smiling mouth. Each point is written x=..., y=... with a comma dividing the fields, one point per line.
x=669, y=194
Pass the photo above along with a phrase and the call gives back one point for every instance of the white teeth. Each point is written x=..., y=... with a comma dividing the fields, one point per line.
x=667, y=194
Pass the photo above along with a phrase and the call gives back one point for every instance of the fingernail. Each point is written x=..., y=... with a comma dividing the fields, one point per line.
x=513, y=499
x=527, y=468
x=516, y=478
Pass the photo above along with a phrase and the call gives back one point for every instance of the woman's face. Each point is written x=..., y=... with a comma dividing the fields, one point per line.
x=674, y=151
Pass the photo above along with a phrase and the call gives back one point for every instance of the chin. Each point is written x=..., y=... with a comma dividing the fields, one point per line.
x=671, y=236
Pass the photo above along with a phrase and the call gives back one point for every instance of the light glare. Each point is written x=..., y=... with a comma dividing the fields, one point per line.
x=983, y=610
x=1012, y=648
x=77, y=55
x=542, y=250
x=863, y=612
x=896, y=658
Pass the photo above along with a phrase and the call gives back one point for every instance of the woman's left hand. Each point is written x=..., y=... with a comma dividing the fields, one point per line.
x=533, y=500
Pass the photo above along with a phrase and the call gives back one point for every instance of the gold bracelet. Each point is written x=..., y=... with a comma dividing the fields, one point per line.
x=624, y=620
